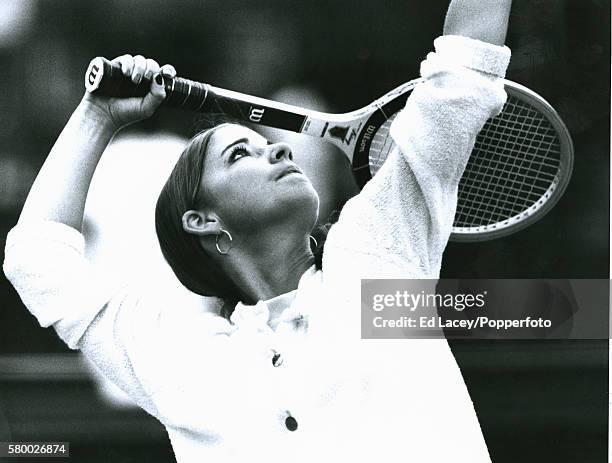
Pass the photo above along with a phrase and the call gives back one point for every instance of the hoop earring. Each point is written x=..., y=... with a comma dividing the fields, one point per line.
x=217, y=242
x=313, y=241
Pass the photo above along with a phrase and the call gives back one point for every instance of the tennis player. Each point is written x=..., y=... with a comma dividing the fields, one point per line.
x=281, y=374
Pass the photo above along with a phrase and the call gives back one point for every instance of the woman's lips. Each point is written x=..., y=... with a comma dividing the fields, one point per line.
x=287, y=171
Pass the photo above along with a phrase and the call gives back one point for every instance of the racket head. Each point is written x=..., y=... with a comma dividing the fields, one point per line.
x=520, y=167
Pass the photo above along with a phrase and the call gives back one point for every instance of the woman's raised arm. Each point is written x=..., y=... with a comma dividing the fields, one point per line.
x=400, y=223
x=45, y=253
x=60, y=189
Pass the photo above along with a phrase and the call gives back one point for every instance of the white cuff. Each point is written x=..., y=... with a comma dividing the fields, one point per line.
x=474, y=54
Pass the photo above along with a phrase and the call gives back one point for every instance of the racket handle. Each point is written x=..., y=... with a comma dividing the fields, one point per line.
x=107, y=79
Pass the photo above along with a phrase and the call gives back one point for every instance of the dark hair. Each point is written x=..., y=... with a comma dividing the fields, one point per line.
x=320, y=235
x=191, y=263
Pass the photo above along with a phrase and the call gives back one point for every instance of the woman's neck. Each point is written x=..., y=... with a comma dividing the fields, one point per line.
x=269, y=264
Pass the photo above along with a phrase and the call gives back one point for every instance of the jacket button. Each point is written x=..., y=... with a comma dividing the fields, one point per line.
x=277, y=360
x=291, y=423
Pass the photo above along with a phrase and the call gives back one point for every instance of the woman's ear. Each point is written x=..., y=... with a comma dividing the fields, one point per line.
x=201, y=223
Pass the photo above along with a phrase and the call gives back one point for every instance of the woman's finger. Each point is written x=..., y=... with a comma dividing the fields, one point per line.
x=127, y=64
x=152, y=68
x=168, y=71
x=140, y=66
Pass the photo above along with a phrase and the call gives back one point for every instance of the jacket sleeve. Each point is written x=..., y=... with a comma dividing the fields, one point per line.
x=132, y=340
x=399, y=225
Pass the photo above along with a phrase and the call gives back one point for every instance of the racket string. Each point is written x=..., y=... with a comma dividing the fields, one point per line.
x=540, y=166
x=475, y=183
x=497, y=208
x=539, y=141
x=515, y=160
x=533, y=184
x=381, y=146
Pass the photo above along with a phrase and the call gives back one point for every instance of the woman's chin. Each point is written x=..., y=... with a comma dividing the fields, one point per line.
x=302, y=204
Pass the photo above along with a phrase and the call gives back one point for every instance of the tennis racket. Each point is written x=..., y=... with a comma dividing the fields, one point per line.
x=519, y=168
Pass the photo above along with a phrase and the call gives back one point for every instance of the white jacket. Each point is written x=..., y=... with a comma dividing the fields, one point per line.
x=220, y=387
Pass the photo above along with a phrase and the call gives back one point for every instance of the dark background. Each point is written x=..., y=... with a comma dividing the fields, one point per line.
x=537, y=400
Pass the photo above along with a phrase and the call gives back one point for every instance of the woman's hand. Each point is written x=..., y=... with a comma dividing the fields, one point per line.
x=120, y=112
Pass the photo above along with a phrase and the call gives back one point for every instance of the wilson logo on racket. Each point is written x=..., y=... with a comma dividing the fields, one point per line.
x=255, y=114
x=367, y=136
x=94, y=74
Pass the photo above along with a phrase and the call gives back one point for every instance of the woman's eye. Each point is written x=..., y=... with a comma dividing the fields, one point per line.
x=237, y=153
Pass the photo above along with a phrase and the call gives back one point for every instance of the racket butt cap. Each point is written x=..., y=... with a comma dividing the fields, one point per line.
x=94, y=74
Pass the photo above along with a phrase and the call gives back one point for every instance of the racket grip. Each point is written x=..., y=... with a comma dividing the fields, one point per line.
x=106, y=78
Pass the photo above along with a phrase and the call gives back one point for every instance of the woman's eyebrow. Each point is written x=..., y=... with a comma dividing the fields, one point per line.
x=235, y=142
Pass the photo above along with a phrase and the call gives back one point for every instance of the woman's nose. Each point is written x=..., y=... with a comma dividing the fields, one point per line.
x=280, y=151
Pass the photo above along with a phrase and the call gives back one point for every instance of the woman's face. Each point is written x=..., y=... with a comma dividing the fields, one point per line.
x=250, y=182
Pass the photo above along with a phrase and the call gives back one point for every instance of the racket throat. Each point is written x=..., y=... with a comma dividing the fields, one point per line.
x=342, y=134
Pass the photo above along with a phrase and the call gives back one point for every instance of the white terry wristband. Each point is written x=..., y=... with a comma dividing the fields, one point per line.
x=474, y=54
